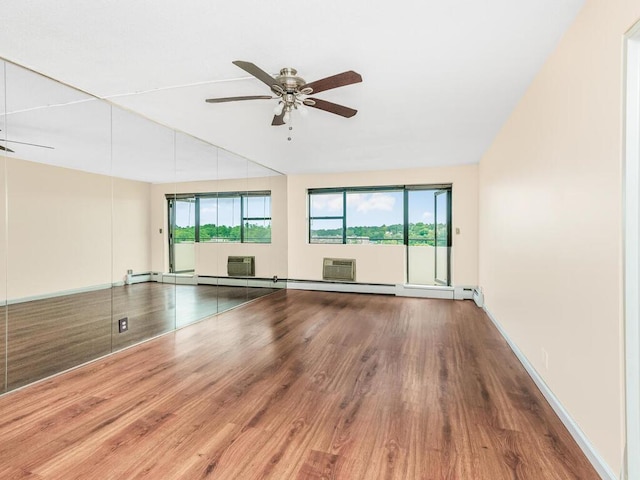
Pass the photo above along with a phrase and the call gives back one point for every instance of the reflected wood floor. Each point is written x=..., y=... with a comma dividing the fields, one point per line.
x=50, y=335
x=298, y=385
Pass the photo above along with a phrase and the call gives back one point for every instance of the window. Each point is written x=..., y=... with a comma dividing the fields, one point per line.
x=373, y=215
x=228, y=217
x=327, y=218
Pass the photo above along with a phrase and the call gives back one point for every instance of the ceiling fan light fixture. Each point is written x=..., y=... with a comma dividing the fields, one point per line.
x=290, y=90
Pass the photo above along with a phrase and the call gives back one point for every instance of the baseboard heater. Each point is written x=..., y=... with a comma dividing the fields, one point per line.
x=341, y=286
x=138, y=277
x=273, y=282
x=478, y=297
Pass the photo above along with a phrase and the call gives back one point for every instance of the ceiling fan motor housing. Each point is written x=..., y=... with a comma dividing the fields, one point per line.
x=289, y=80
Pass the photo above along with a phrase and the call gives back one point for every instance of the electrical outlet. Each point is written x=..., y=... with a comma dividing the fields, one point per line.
x=123, y=324
x=545, y=358
x=129, y=272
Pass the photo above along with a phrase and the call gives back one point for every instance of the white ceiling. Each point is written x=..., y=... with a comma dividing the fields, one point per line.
x=439, y=77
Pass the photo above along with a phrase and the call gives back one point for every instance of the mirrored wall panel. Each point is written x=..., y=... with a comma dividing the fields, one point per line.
x=143, y=153
x=3, y=236
x=58, y=194
x=115, y=229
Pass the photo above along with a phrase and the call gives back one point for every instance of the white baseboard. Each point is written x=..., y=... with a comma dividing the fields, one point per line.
x=578, y=435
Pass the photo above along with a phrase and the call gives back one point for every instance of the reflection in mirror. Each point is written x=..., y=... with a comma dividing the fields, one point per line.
x=109, y=220
x=58, y=196
x=222, y=227
x=193, y=230
x=3, y=237
x=271, y=219
x=142, y=158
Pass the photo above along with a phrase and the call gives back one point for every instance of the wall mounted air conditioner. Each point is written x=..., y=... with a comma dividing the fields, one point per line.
x=340, y=269
x=241, y=266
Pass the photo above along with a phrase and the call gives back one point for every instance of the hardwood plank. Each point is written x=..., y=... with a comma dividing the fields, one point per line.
x=298, y=385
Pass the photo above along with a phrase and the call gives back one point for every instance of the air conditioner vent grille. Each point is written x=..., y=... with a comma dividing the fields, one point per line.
x=241, y=266
x=339, y=269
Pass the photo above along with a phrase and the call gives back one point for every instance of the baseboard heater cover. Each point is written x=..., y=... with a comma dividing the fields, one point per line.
x=138, y=277
x=241, y=266
x=342, y=287
x=241, y=282
x=478, y=297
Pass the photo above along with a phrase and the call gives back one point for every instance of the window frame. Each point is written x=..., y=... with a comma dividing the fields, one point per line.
x=242, y=218
x=371, y=189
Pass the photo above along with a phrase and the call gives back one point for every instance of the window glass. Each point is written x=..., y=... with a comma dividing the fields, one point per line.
x=185, y=220
x=208, y=219
x=257, y=207
x=257, y=231
x=375, y=217
x=326, y=230
x=326, y=205
x=421, y=217
x=222, y=218
x=228, y=219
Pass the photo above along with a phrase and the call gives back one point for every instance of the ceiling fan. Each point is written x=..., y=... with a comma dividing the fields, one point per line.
x=7, y=149
x=292, y=92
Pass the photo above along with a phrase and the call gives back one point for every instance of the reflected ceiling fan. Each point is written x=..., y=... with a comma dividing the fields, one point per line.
x=7, y=149
x=292, y=92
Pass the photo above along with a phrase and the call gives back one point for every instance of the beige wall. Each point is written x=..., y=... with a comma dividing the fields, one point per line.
x=550, y=223
x=69, y=230
x=131, y=227
x=211, y=258
x=385, y=263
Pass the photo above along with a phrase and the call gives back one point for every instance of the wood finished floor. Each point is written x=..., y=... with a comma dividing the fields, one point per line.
x=298, y=385
x=48, y=336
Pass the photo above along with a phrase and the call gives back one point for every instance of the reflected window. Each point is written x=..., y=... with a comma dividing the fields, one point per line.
x=224, y=217
x=256, y=218
x=184, y=229
x=220, y=219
